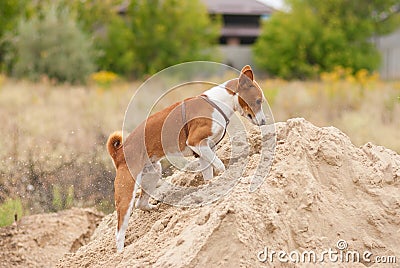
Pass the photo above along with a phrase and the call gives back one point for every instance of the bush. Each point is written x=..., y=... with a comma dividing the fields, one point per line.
x=8, y=210
x=168, y=32
x=115, y=48
x=286, y=43
x=315, y=36
x=53, y=46
x=110, y=32
x=10, y=11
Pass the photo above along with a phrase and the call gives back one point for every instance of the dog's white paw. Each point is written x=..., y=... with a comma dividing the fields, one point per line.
x=219, y=167
x=149, y=207
x=207, y=173
x=145, y=206
x=120, y=242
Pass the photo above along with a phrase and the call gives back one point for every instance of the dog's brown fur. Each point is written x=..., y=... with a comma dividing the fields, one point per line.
x=199, y=129
x=163, y=133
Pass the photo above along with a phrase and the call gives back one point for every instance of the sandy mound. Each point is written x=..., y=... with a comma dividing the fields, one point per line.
x=321, y=189
x=41, y=240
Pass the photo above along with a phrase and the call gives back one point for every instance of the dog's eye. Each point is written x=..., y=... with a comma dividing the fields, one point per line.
x=258, y=101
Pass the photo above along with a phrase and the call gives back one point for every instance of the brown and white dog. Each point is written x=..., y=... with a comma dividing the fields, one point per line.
x=191, y=127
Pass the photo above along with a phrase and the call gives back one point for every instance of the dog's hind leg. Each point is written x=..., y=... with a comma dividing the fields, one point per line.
x=151, y=175
x=124, y=208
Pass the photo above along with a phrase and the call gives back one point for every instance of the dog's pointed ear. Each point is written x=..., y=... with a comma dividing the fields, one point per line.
x=247, y=71
x=246, y=76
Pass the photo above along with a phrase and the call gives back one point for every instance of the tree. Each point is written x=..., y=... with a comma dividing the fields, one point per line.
x=167, y=32
x=10, y=11
x=317, y=35
x=152, y=35
x=111, y=35
x=43, y=49
x=114, y=47
x=99, y=20
x=93, y=15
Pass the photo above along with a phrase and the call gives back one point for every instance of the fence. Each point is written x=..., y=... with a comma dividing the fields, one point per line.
x=389, y=46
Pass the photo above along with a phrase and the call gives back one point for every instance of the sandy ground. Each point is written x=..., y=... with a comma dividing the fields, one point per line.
x=41, y=240
x=320, y=189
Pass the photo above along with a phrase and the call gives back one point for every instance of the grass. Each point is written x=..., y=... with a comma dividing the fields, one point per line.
x=365, y=113
x=10, y=210
x=53, y=137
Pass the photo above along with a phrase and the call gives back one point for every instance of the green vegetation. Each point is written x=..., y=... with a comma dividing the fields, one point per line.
x=67, y=40
x=140, y=37
x=168, y=32
x=10, y=10
x=110, y=31
x=42, y=48
x=316, y=36
x=10, y=13
x=57, y=198
x=62, y=199
x=115, y=48
x=10, y=209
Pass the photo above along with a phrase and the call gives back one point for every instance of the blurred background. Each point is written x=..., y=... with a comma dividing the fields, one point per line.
x=68, y=69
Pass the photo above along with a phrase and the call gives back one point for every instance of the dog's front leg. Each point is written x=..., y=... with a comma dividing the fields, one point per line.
x=206, y=169
x=208, y=156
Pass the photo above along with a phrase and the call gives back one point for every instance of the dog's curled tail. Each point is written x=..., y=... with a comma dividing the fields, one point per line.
x=114, y=143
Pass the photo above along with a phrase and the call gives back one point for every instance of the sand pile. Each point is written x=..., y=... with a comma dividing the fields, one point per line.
x=41, y=240
x=321, y=189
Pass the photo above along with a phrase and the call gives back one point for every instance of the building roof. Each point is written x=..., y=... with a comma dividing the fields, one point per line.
x=237, y=7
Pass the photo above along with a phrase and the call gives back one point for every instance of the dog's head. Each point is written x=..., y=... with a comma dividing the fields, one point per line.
x=250, y=97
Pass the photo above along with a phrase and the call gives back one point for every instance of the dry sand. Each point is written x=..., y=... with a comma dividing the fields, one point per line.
x=321, y=188
x=41, y=240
